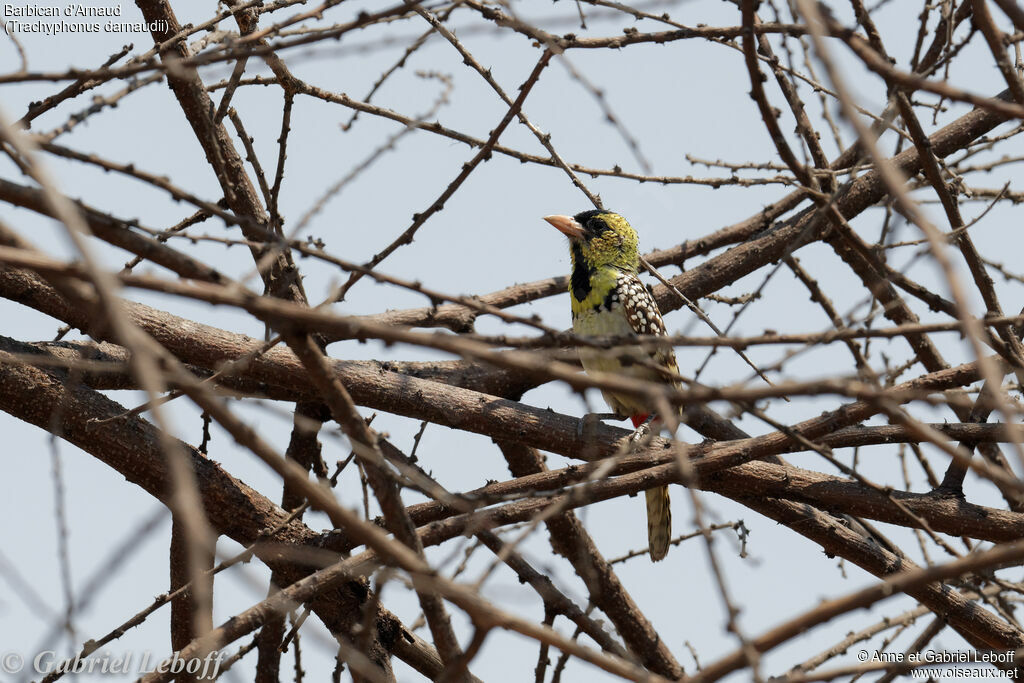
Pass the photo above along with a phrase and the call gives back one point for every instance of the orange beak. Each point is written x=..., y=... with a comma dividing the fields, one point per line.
x=567, y=225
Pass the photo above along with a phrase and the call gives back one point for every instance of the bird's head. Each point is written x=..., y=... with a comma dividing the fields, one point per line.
x=599, y=239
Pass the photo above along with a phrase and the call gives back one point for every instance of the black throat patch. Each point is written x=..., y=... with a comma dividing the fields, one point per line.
x=581, y=272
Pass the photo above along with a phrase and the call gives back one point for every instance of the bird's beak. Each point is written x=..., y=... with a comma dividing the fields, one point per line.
x=567, y=225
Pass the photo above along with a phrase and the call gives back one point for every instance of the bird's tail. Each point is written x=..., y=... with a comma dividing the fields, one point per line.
x=659, y=514
x=659, y=522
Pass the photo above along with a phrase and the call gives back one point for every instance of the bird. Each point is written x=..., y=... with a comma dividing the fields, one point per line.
x=609, y=299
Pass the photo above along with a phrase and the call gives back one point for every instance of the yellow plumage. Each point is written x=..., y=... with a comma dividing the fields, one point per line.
x=608, y=299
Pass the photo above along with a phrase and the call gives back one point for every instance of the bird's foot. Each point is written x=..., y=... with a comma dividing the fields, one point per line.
x=642, y=434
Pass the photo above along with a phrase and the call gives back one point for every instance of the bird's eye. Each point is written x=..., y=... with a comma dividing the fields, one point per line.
x=596, y=226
